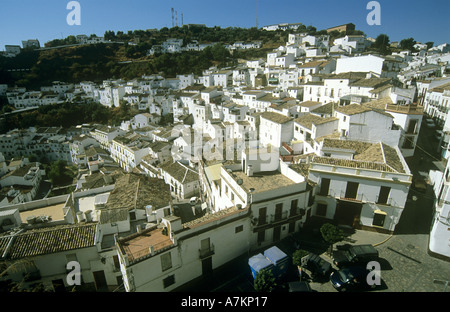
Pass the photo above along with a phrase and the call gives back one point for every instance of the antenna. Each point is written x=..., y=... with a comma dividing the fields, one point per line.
x=176, y=18
x=172, y=18
x=182, y=22
x=257, y=14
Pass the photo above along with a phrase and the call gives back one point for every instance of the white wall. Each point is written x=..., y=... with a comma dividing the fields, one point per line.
x=368, y=63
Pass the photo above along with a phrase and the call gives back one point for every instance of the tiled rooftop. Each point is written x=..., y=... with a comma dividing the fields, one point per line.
x=275, y=117
x=136, y=191
x=44, y=241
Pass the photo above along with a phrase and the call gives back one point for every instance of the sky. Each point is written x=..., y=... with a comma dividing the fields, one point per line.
x=46, y=20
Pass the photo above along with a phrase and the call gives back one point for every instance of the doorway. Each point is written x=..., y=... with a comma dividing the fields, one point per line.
x=348, y=213
x=276, y=233
x=100, y=280
x=207, y=266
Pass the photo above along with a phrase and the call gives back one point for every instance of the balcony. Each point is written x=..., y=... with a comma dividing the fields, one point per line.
x=206, y=252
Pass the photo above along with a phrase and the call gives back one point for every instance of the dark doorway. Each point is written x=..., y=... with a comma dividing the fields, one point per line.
x=276, y=233
x=100, y=280
x=207, y=266
x=348, y=213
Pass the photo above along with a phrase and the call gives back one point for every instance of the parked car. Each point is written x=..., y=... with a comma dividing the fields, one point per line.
x=355, y=255
x=351, y=278
x=316, y=265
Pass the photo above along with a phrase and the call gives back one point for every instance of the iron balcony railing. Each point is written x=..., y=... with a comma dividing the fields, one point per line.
x=206, y=252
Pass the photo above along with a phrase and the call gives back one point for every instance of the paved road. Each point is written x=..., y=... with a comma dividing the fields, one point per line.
x=405, y=264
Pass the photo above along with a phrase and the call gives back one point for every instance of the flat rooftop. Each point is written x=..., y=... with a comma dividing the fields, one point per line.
x=55, y=212
x=262, y=181
x=138, y=245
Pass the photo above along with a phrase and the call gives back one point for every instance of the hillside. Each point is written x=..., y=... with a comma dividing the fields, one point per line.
x=127, y=57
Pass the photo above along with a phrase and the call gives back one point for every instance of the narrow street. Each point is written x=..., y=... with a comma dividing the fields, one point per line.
x=419, y=210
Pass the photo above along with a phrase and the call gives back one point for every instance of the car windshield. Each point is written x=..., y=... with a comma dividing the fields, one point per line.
x=345, y=275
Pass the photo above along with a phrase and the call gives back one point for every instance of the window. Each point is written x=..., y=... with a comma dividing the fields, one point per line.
x=166, y=261
x=411, y=129
x=383, y=195
x=278, y=211
x=116, y=262
x=169, y=280
x=324, y=187
x=352, y=190
x=378, y=218
x=294, y=205
x=238, y=229
x=262, y=215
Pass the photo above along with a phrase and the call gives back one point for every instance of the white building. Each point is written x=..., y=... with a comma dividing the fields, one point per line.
x=275, y=128
x=366, y=63
x=439, y=234
x=360, y=122
x=129, y=149
x=183, y=180
x=352, y=44
x=359, y=184
x=104, y=135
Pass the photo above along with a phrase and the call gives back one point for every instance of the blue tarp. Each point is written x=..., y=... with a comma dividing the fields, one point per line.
x=279, y=259
x=258, y=263
x=275, y=255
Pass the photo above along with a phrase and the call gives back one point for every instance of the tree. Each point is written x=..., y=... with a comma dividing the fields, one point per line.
x=429, y=44
x=381, y=43
x=331, y=234
x=264, y=281
x=297, y=257
x=58, y=173
x=408, y=44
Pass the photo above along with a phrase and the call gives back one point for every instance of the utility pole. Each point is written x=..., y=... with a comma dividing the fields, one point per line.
x=257, y=14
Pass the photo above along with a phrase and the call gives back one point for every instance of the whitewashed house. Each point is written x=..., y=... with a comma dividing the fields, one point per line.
x=439, y=234
x=360, y=122
x=366, y=63
x=407, y=119
x=359, y=184
x=183, y=180
x=129, y=149
x=275, y=128
x=104, y=135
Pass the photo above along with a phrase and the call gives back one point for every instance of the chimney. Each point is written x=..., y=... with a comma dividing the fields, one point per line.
x=250, y=170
